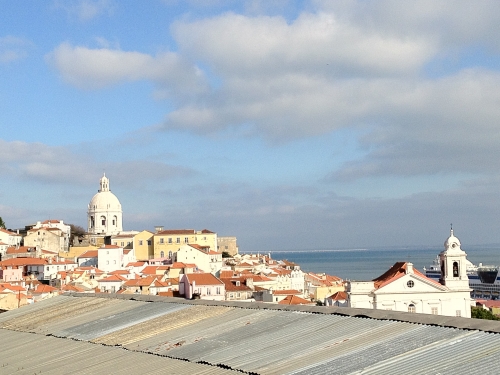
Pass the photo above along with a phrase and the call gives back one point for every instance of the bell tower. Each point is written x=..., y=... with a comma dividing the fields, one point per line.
x=453, y=262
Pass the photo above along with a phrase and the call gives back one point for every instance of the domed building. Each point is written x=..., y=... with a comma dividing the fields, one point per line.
x=104, y=213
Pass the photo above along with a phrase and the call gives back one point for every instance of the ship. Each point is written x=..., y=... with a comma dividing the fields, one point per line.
x=484, y=280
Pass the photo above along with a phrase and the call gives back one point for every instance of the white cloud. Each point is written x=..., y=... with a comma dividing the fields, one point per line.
x=86, y=10
x=97, y=68
x=13, y=48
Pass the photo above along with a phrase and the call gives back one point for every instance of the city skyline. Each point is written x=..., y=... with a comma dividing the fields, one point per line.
x=288, y=124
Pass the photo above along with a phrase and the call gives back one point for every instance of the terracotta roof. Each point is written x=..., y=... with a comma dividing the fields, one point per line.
x=231, y=286
x=113, y=278
x=294, y=300
x=286, y=292
x=175, y=231
x=89, y=254
x=43, y=288
x=136, y=264
x=23, y=262
x=206, y=231
x=9, y=232
x=203, y=279
x=338, y=296
x=51, y=222
x=110, y=247
x=72, y=288
x=21, y=249
x=397, y=271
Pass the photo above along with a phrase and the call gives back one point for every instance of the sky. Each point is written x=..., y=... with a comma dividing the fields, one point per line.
x=288, y=124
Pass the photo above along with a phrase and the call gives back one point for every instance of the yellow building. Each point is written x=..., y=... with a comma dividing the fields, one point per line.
x=167, y=242
x=143, y=245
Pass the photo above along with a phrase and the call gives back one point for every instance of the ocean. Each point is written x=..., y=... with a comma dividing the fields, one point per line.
x=367, y=264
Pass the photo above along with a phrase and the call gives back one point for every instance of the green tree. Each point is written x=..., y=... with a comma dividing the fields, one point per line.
x=2, y=223
x=480, y=313
x=225, y=254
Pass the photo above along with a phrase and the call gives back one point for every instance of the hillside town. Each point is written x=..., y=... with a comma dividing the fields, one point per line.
x=45, y=259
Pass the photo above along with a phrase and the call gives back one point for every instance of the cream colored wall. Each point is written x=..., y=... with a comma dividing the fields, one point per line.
x=47, y=240
x=144, y=251
x=202, y=239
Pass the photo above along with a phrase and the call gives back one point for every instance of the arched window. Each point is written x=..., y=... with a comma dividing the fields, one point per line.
x=170, y=254
x=92, y=221
x=162, y=254
x=411, y=308
x=455, y=269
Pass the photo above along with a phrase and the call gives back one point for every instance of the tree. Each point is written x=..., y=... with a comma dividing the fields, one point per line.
x=2, y=223
x=480, y=313
x=225, y=254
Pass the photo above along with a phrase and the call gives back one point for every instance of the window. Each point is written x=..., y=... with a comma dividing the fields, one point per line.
x=178, y=240
x=411, y=308
x=140, y=242
x=209, y=291
x=122, y=243
x=162, y=254
x=103, y=221
x=434, y=310
x=170, y=240
x=170, y=254
x=458, y=313
x=186, y=239
x=238, y=295
x=410, y=284
x=149, y=242
x=455, y=269
x=218, y=290
x=114, y=262
x=161, y=240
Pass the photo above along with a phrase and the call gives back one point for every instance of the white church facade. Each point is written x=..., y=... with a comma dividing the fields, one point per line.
x=403, y=288
x=104, y=214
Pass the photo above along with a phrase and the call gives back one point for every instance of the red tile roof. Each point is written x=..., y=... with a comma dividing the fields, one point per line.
x=175, y=231
x=338, y=296
x=89, y=254
x=203, y=279
x=294, y=300
x=397, y=271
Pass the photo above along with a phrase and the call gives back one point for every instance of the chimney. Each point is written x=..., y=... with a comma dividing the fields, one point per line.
x=409, y=268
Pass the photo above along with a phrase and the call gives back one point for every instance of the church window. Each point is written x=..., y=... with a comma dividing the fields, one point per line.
x=410, y=284
x=455, y=269
x=411, y=308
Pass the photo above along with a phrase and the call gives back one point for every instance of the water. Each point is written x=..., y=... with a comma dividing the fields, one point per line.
x=367, y=264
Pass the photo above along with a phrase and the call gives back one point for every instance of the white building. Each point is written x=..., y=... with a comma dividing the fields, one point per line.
x=204, y=258
x=111, y=258
x=59, y=224
x=104, y=215
x=403, y=288
x=10, y=238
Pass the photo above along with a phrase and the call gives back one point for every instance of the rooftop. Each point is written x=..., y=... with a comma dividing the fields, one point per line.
x=112, y=333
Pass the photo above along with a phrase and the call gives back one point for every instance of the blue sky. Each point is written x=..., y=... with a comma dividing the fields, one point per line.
x=288, y=124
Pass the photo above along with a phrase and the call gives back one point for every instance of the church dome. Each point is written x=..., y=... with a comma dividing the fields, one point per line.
x=105, y=200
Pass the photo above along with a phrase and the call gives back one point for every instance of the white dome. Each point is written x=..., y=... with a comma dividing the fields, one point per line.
x=452, y=242
x=105, y=200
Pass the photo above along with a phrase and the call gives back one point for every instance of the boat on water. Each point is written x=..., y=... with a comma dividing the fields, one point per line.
x=483, y=280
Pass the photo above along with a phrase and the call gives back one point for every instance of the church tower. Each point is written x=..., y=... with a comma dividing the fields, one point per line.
x=453, y=265
x=104, y=215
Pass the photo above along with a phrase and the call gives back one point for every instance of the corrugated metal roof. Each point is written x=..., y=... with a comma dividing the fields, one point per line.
x=120, y=335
